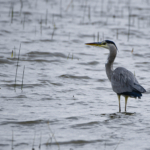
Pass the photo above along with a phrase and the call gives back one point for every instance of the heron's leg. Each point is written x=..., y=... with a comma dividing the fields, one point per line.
x=119, y=102
x=126, y=99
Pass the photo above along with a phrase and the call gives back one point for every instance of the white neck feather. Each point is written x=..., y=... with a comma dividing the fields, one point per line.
x=110, y=60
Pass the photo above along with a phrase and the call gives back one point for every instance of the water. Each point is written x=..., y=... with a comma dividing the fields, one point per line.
x=67, y=101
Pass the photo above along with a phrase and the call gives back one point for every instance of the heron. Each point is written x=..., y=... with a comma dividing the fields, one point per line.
x=123, y=81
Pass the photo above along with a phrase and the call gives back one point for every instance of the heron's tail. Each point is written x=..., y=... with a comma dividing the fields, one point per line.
x=132, y=94
x=139, y=88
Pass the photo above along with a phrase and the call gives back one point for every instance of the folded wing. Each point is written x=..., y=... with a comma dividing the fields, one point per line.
x=124, y=82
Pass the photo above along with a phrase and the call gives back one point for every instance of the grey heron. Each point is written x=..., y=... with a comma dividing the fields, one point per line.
x=123, y=81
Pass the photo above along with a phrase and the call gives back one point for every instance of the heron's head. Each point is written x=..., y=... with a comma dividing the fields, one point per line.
x=105, y=44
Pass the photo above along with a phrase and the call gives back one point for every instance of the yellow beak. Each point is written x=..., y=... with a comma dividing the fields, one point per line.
x=94, y=44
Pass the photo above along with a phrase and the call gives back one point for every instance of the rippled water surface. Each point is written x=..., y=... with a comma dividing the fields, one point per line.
x=66, y=101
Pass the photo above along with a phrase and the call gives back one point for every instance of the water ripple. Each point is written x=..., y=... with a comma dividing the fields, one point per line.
x=74, y=77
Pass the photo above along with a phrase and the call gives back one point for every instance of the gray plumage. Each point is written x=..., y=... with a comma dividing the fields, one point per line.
x=123, y=82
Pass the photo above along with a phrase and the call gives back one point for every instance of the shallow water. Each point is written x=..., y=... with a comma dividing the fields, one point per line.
x=66, y=101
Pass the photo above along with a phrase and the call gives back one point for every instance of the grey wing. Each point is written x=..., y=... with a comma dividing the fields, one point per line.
x=123, y=80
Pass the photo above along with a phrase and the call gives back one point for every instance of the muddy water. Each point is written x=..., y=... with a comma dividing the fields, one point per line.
x=66, y=101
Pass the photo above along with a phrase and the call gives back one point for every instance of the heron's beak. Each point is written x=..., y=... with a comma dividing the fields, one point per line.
x=98, y=44
x=95, y=44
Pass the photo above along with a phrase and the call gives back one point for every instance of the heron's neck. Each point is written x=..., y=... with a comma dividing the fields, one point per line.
x=110, y=61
